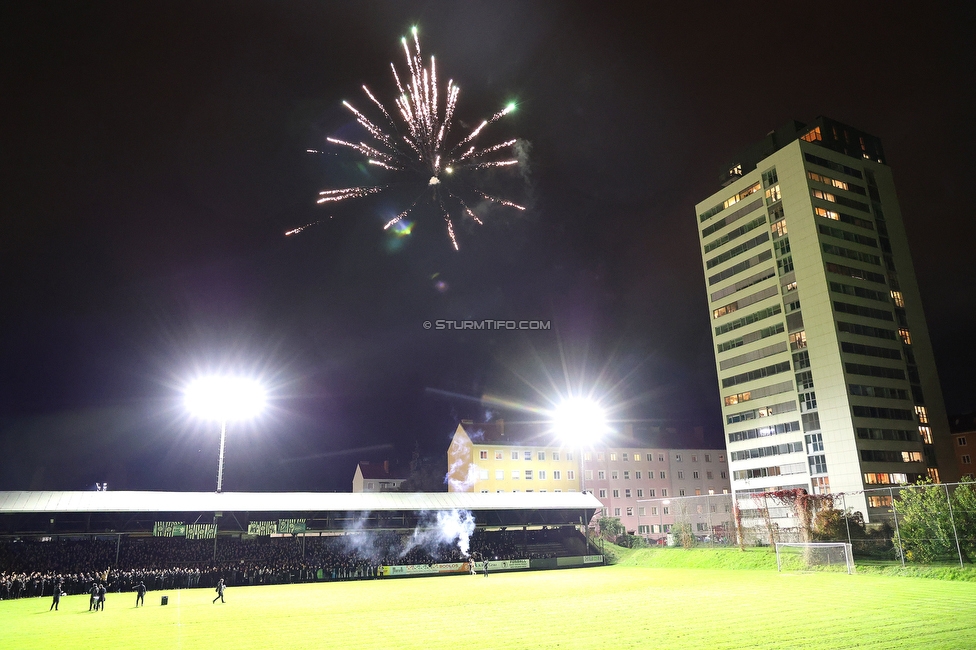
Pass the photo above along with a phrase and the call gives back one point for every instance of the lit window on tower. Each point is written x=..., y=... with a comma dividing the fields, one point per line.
x=812, y=136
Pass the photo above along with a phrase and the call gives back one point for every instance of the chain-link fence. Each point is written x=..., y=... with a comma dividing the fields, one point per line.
x=921, y=524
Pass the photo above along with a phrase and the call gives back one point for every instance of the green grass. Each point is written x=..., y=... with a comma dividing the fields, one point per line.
x=606, y=607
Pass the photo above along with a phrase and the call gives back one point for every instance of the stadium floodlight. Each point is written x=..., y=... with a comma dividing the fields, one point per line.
x=221, y=399
x=579, y=421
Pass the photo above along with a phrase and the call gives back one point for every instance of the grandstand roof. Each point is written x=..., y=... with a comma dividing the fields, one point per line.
x=108, y=502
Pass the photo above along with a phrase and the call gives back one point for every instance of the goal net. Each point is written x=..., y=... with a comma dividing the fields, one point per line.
x=814, y=556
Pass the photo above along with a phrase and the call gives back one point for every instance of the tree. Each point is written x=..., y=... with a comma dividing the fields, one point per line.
x=925, y=527
x=610, y=527
x=964, y=513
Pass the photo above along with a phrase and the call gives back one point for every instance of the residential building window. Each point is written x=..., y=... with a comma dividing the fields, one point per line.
x=627, y=494
x=664, y=492
x=961, y=440
x=650, y=492
x=681, y=474
x=542, y=474
x=616, y=512
x=694, y=459
x=586, y=455
x=555, y=455
x=677, y=457
x=588, y=475
x=722, y=474
x=603, y=494
x=626, y=476
x=662, y=475
x=484, y=491
x=601, y=475
x=616, y=494
x=528, y=475
x=528, y=455
x=483, y=455
x=708, y=475
x=498, y=455
x=650, y=457
x=653, y=510
x=515, y=455
x=556, y=475
x=905, y=335
x=570, y=475
x=681, y=492
x=569, y=455
x=369, y=486
x=923, y=415
x=516, y=474
x=708, y=458
x=499, y=475
x=599, y=456
x=614, y=475
x=660, y=458
x=483, y=475
x=637, y=475
x=966, y=460
x=640, y=511
x=667, y=510
x=613, y=456
x=542, y=455
x=640, y=493
x=630, y=512
x=695, y=475
x=626, y=457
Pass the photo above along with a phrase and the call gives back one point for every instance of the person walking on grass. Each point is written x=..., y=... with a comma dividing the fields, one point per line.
x=220, y=591
x=57, y=597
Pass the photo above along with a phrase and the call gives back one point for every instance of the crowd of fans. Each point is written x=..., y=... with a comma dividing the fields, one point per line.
x=31, y=568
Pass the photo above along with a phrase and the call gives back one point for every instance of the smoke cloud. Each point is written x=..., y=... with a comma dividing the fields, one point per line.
x=445, y=528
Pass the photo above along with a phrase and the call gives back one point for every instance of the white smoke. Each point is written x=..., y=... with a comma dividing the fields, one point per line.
x=446, y=528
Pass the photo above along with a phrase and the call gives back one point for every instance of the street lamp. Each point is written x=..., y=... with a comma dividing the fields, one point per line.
x=221, y=399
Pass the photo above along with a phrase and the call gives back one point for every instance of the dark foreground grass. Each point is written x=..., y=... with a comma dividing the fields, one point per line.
x=605, y=607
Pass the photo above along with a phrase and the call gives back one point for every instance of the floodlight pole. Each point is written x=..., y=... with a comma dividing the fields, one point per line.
x=220, y=458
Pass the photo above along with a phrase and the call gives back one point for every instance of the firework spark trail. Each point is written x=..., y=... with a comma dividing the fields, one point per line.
x=295, y=231
x=417, y=143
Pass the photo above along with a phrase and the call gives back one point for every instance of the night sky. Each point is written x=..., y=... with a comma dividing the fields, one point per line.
x=152, y=155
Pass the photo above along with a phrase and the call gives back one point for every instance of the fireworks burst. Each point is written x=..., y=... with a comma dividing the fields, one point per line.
x=415, y=147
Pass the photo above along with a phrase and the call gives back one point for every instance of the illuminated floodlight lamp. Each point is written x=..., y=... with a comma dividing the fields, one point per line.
x=579, y=421
x=220, y=399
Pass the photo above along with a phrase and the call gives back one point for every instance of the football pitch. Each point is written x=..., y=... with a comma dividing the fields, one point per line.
x=605, y=607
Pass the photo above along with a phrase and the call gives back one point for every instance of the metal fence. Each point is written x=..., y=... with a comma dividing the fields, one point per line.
x=927, y=524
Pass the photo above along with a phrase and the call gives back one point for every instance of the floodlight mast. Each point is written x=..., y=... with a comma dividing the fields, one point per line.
x=222, y=399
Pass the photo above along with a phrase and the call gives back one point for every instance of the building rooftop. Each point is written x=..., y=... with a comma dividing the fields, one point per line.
x=822, y=131
x=382, y=471
x=500, y=432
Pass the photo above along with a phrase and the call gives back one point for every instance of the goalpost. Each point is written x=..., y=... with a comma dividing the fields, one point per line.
x=816, y=556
